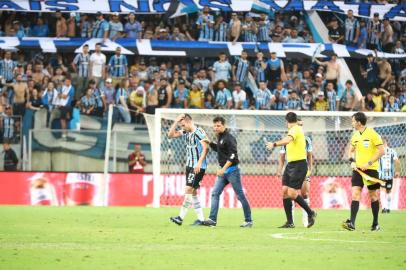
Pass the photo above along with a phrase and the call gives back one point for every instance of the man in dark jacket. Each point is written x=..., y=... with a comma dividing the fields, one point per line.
x=10, y=158
x=229, y=172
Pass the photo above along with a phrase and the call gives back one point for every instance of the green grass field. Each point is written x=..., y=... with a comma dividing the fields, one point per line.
x=143, y=238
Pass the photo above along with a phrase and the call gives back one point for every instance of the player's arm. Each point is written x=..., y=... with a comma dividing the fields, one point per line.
x=173, y=132
x=205, y=151
x=281, y=163
x=309, y=163
x=284, y=141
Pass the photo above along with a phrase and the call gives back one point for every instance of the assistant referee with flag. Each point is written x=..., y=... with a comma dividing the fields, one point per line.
x=295, y=171
x=368, y=147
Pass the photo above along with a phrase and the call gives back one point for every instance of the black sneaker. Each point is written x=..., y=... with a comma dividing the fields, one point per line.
x=176, y=220
x=287, y=226
x=375, y=227
x=387, y=211
x=246, y=224
x=197, y=223
x=348, y=225
x=209, y=223
x=384, y=211
x=311, y=219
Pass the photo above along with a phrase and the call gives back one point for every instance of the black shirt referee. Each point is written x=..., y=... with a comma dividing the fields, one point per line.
x=295, y=171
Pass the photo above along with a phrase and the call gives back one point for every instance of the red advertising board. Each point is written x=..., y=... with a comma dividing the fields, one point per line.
x=28, y=188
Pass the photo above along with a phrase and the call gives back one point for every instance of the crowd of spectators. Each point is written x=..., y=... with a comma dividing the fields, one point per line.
x=89, y=82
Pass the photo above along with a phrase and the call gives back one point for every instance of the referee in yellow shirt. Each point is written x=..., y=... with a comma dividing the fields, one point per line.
x=368, y=148
x=295, y=171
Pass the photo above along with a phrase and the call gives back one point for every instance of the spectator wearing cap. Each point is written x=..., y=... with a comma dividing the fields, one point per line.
x=196, y=96
x=61, y=27
x=180, y=95
x=249, y=29
x=138, y=103
x=321, y=103
x=205, y=24
x=116, y=28
x=40, y=29
x=241, y=68
x=369, y=71
x=235, y=27
x=333, y=69
x=363, y=35
x=18, y=29
x=331, y=97
x=97, y=65
x=347, y=98
x=293, y=37
x=294, y=102
x=239, y=97
x=264, y=28
x=71, y=25
x=220, y=29
x=352, y=29
x=335, y=32
x=7, y=66
x=118, y=66
x=387, y=36
x=375, y=30
x=88, y=102
x=10, y=158
x=101, y=27
x=224, y=99
x=274, y=70
x=221, y=69
x=109, y=91
x=263, y=97
x=133, y=28
x=80, y=65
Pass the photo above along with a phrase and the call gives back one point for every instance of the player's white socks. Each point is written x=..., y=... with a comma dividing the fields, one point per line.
x=185, y=205
x=304, y=214
x=383, y=199
x=198, y=208
x=389, y=199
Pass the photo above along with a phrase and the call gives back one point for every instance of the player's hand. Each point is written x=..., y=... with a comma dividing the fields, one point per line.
x=180, y=118
x=269, y=146
x=197, y=168
x=220, y=172
x=353, y=166
x=364, y=167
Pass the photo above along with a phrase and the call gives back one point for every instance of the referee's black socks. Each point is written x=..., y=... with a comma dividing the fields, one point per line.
x=299, y=199
x=375, y=211
x=287, y=204
x=354, y=210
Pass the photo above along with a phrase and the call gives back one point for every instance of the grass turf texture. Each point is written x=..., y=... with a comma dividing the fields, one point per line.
x=143, y=238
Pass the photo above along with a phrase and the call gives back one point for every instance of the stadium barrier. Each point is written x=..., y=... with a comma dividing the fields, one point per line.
x=60, y=189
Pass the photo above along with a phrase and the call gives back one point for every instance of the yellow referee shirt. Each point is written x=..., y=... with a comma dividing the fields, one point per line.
x=365, y=145
x=296, y=149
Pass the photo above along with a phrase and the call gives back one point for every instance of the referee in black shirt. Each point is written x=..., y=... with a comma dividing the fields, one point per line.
x=229, y=172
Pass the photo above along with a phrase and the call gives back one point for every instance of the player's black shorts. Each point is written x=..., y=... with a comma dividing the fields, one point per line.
x=388, y=184
x=193, y=180
x=294, y=174
x=357, y=181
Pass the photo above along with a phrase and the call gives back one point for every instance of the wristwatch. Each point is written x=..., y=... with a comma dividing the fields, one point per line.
x=369, y=163
x=274, y=144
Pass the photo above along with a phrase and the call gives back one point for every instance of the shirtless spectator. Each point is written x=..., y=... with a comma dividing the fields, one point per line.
x=385, y=73
x=152, y=97
x=38, y=74
x=61, y=26
x=21, y=96
x=333, y=70
x=235, y=27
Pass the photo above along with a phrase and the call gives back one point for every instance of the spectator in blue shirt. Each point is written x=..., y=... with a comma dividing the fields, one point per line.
x=101, y=27
x=118, y=66
x=392, y=106
x=18, y=29
x=283, y=93
x=133, y=28
x=40, y=29
x=224, y=99
x=180, y=95
x=205, y=23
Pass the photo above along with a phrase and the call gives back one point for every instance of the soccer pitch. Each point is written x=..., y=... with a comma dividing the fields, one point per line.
x=143, y=238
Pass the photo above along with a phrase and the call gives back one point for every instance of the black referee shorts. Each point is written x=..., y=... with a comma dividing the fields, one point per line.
x=356, y=180
x=294, y=174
